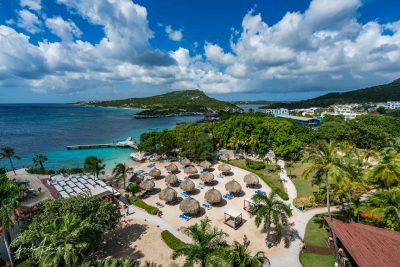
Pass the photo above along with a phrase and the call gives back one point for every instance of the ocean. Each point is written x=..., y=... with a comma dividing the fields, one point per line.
x=48, y=128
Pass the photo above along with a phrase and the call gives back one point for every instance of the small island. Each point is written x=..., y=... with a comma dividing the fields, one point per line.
x=176, y=103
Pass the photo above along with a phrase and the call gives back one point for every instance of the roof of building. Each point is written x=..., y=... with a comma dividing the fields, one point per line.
x=233, y=213
x=80, y=183
x=368, y=245
x=297, y=118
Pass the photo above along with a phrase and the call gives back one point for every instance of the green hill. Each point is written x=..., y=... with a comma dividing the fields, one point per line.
x=380, y=93
x=174, y=103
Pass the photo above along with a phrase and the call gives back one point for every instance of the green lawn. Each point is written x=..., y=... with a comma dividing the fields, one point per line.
x=316, y=260
x=315, y=234
x=303, y=186
x=272, y=179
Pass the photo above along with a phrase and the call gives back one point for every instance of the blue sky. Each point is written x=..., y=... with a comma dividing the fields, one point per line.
x=69, y=50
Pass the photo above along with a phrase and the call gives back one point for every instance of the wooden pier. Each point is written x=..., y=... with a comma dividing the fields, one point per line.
x=129, y=142
x=90, y=146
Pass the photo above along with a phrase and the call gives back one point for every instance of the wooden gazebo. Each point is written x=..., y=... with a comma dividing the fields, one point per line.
x=233, y=218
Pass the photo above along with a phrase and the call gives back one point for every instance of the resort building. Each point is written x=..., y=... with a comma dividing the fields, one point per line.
x=392, y=105
x=277, y=111
x=68, y=186
x=365, y=245
x=315, y=121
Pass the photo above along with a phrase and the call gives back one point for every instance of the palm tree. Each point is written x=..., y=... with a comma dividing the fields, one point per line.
x=386, y=173
x=325, y=167
x=121, y=172
x=269, y=210
x=67, y=241
x=94, y=166
x=206, y=241
x=9, y=201
x=8, y=152
x=40, y=159
x=238, y=255
x=387, y=203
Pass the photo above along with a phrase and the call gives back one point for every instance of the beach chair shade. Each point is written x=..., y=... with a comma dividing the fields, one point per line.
x=224, y=167
x=187, y=185
x=155, y=172
x=190, y=205
x=251, y=179
x=207, y=177
x=190, y=170
x=205, y=164
x=233, y=187
x=213, y=196
x=171, y=179
x=186, y=162
x=172, y=167
x=147, y=185
x=168, y=194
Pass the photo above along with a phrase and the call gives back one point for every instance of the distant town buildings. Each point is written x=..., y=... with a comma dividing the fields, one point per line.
x=390, y=105
x=277, y=111
x=315, y=121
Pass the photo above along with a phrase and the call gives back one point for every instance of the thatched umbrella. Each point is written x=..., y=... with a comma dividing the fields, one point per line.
x=168, y=194
x=186, y=162
x=172, y=167
x=190, y=170
x=205, y=164
x=155, y=172
x=224, y=167
x=189, y=205
x=207, y=177
x=251, y=179
x=147, y=185
x=187, y=185
x=233, y=187
x=171, y=179
x=213, y=196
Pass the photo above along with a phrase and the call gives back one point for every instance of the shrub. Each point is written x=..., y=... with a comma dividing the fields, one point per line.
x=133, y=188
x=308, y=202
x=255, y=165
x=39, y=171
x=3, y=171
x=172, y=241
x=26, y=263
x=143, y=205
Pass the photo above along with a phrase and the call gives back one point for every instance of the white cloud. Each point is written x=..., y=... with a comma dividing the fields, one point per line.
x=29, y=21
x=35, y=5
x=174, y=35
x=66, y=30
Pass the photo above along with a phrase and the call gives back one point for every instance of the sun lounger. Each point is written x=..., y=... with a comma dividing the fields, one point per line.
x=206, y=205
x=228, y=196
x=184, y=194
x=200, y=186
x=220, y=176
x=184, y=216
x=179, y=181
x=150, y=166
x=260, y=192
x=139, y=171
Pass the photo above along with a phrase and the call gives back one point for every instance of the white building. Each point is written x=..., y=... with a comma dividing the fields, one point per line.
x=277, y=111
x=346, y=111
x=392, y=105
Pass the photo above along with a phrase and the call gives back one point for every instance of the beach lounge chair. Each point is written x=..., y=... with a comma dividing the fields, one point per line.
x=206, y=205
x=184, y=194
x=200, y=186
x=150, y=165
x=139, y=171
x=260, y=192
x=228, y=196
x=220, y=176
x=269, y=244
x=184, y=217
x=179, y=181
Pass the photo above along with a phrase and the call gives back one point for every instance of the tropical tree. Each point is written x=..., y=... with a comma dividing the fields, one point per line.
x=206, y=242
x=111, y=262
x=386, y=173
x=268, y=210
x=94, y=166
x=121, y=172
x=40, y=159
x=9, y=153
x=9, y=201
x=388, y=204
x=238, y=255
x=325, y=168
x=133, y=188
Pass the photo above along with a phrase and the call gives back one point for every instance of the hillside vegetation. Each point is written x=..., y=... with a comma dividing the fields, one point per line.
x=173, y=103
x=380, y=93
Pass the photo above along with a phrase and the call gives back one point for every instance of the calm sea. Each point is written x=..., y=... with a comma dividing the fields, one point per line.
x=48, y=128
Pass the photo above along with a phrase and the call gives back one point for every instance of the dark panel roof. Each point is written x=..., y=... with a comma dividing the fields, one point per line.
x=369, y=246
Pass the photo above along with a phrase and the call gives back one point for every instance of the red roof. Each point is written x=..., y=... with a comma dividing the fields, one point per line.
x=369, y=246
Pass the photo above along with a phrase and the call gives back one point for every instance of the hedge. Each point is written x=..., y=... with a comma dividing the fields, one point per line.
x=278, y=190
x=172, y=241
x=255, y=165
x=143, y=205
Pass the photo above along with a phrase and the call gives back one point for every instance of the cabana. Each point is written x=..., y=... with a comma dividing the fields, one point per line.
x=186, y=162
x=171, y=179
x=205, y=164
x=190, y=170
x=233, y=218
x=147, y=185
x=187, y=185
x=248, y=204
x=155, y=172
x=172, y=167
x=207, y=177
x=224, y=168
x=168, y=194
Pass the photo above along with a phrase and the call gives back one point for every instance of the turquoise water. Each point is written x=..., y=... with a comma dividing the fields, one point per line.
x=48, y=128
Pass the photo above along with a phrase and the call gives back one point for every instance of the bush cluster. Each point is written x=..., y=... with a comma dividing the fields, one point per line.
x=172, y=241
x=143, y=205
x=307, y=202
x=48, y=172
x=255, y=165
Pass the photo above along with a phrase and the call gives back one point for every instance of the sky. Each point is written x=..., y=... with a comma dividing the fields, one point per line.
x=72, y=50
